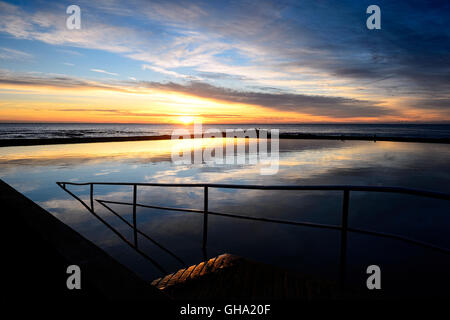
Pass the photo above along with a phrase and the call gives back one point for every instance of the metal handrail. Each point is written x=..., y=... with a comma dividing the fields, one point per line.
x=417, y=192
x=343, y=227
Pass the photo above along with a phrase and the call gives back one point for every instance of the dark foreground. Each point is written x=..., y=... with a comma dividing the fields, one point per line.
x=42, y=248
x=230, y=276
x=53, y=246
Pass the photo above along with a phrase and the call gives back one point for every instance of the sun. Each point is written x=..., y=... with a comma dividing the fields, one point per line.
x=186, y=119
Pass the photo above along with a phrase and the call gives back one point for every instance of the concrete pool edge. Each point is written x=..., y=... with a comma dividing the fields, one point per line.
x=102, y=276
x=56, y=141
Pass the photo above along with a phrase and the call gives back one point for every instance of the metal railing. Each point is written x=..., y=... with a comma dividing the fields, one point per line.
x=344, y=228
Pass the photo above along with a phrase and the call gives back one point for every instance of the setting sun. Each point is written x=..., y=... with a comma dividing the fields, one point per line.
x=186, y=119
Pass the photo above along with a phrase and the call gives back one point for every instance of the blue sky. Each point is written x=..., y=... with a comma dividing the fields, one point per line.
x=310, y=60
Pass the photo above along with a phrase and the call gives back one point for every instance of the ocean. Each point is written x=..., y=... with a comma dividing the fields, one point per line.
x=89, y=130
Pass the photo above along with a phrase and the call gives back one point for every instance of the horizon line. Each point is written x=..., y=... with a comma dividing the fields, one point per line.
x=229, y=123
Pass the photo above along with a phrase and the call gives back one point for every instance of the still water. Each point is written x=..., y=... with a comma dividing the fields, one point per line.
x=34, y=170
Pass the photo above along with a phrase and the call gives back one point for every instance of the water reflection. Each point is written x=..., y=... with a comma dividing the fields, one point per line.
x=34, y=170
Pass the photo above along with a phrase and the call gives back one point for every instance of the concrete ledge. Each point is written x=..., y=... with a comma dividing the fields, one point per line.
x=41, y=247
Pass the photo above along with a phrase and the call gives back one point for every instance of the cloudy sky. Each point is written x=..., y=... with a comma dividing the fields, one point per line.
x=225, y=62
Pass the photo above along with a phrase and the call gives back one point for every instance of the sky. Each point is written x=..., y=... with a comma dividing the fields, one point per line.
x=308, y=61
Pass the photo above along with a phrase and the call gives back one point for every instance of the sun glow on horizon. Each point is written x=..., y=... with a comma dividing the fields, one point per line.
x=55, y=104
x=186, y=119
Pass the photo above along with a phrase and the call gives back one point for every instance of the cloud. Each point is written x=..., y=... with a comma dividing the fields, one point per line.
x=49, y=27
x=221, y=76
x=304, y=56
x=283, y=44
x=12, y=54
x=339, y=107
x=163, y=71
x=433, y=103
x=105, y=72
x=145, y=114
x=71, y=52
x=408, y=56
x=33, y=79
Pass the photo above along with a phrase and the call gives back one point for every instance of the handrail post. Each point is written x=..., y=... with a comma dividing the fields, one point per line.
x=205, y=217
x=134, y=214
x=92, y=196
x=344, y=226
